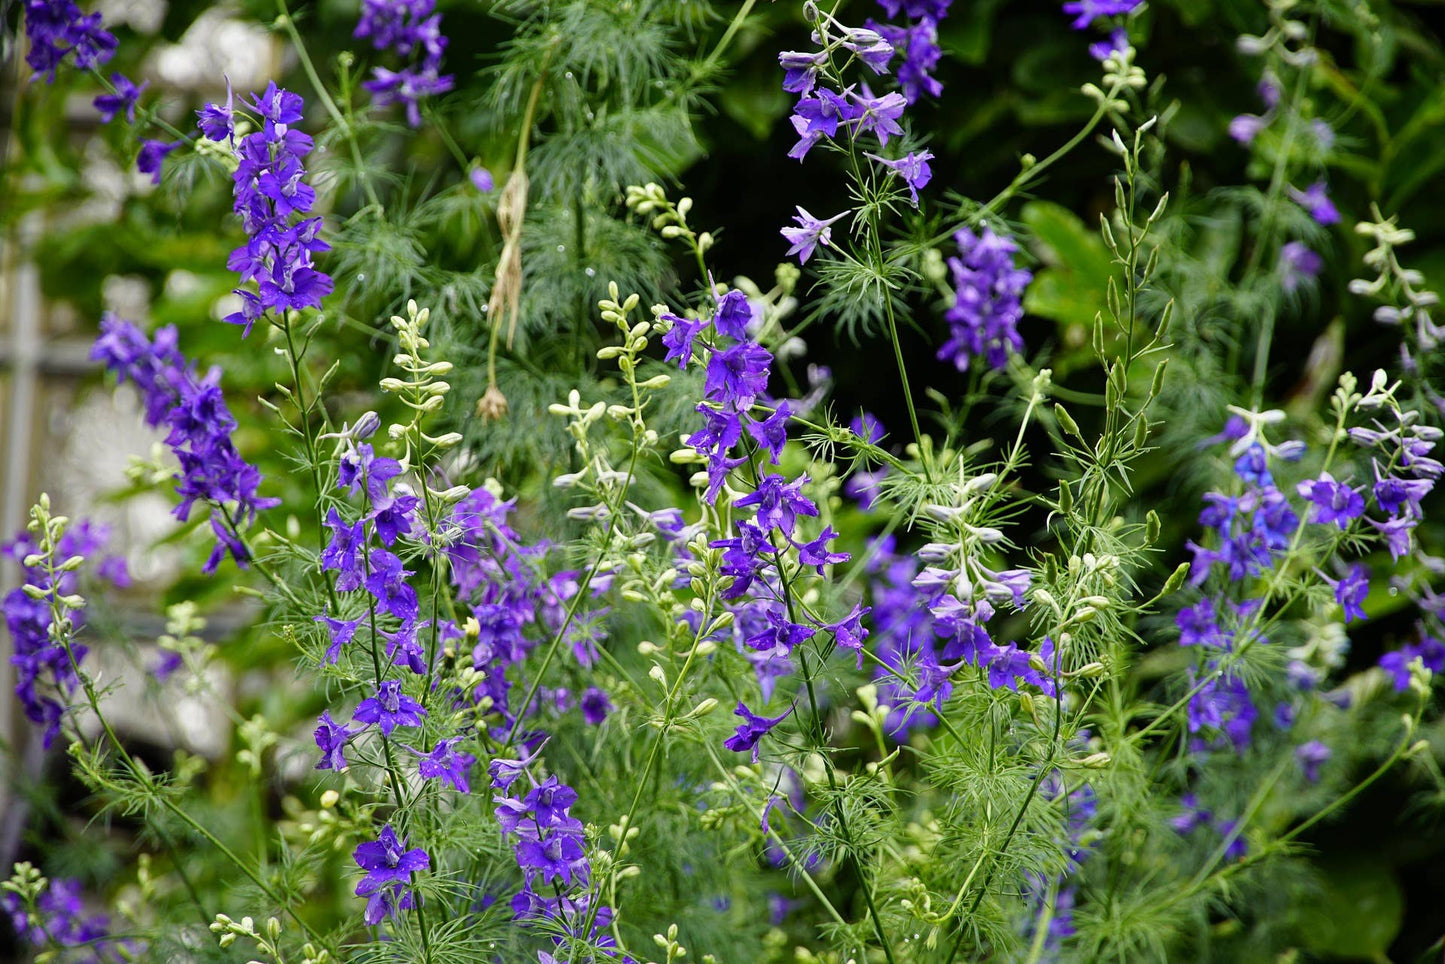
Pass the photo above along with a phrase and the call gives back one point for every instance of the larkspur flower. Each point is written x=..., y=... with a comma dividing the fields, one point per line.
x=1429, y=651
x=1244, y=128
x=801, y=69
x=779, y=503
x=152, y=153
x=918, y=43
x=1316, y=201
x=59, y=920
x=331, y=739
x=212, y=471
x=1086, y=12
x=738, y=374
x=448, y=764
x=734, y=314
x=988, y=293
x=678, y=339
x=125, y=98
x=340, y=632
x=1334, y=502
x=269, y=191
x=389, y=866
x=389, y=708
x=1351, y=590
x=57, y=31
x=913, y=168
x=45, y=661
x=752, y=729
x=1311, y=757
x=1117, y=43
x=1298, y=265
x=810, y=233
x=878, y=115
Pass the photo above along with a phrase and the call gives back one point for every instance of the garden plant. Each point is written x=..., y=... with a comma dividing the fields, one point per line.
x=682, y=480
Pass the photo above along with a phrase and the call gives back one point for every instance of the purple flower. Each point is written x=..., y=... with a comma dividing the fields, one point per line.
x=878, y=114
x=1430, y=652
x=752, y=729
x=913, y=168
x=341, y=632
x=124, y=99
x=1117, y=43
x=387, y=582
x=1197, y=625
x=389, y=708
x=869, y=46
x=734, y=313
x=737, y=375
x=448, y=764
x=151, y=155
x=801, y=70
x=1193, y=815
x=331, y=738
x=345, y=552
x=1311, y=757
x=809, y=234
x=771, y=433
x=1298, y=265
x=361, y=467
x=817, y=553
x=849, y=633
x=918, y=43
x=388, y=867
x=393, y=516
x=595, y=705
x=1399, y=496
x=269, y=189
x=407, y=86
x=59, y=921
x=1334, y=502
x=1397, y=534
x=57, y=30
x=1245, y=127
x=988, y=293
x=219, y=123
x=778, y=636
x=1086, y=12
x=200, y=427
x=549, y=842
x=821, y=114
x=1351, y=590
x=45, y=675
x=779, y=503
x=1316, y=202
x=679, y=338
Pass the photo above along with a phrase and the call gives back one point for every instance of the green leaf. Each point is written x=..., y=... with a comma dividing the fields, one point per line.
x=1358, y=913
x=1070, y=289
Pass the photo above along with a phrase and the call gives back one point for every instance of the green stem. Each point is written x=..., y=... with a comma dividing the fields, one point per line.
x=347, y=128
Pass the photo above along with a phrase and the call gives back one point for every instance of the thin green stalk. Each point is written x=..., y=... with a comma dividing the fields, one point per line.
x=288, y=24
